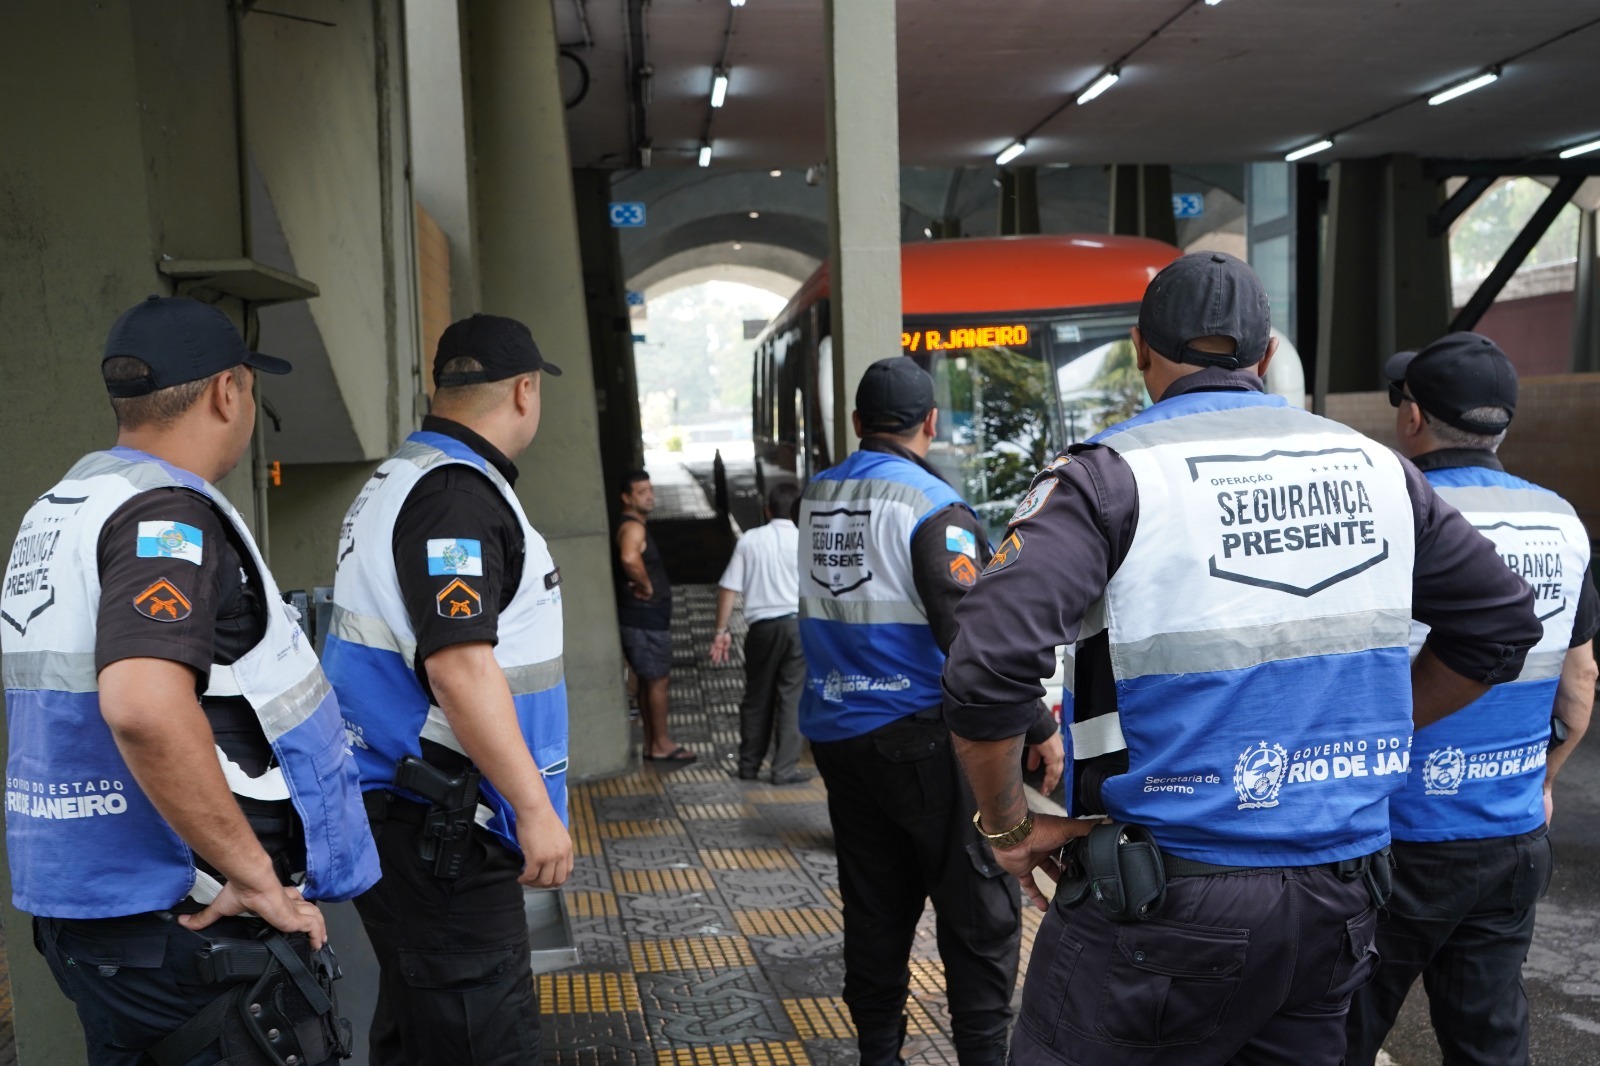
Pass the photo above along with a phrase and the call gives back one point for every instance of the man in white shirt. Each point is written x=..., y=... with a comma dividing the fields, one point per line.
x=764, y=568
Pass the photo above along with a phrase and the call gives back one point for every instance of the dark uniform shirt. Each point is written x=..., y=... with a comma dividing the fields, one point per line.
x=457, y=502
x=1586, y=621
x=197, y=614
x=1078, y=539
x=943, y=575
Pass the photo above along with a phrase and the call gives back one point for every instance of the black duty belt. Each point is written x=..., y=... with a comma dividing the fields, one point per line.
x=1127, y=873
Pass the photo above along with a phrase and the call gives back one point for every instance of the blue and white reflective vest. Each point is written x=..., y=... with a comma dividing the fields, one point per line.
x=1258, y=628
x=84, y=841
x=371, y=649
x=1480, y=772
x=871, y=657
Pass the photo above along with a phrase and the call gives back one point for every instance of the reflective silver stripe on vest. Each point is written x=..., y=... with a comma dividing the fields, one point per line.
x=1542, y=666
x=296, y=704
x=1498, y=498
x=868, y=490
x=53, y=671
x=535, y=677
x=1100, y=735
x=863, y=612
x=369, y=632
x=138, y=474
x=1213, y=650
x=1221, y=426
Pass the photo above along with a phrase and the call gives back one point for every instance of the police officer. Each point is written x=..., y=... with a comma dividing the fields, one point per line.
x=1470, y=825
x=175, y=748
x=887, y=549
x=445, y=648
x=1238, y=577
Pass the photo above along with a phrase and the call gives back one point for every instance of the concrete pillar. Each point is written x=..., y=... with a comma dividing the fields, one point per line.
x=863, y=196
x=124, y=152
x=1385, y=279
x=529, y=268
x=1141, y=201
x=1586, y=298
x=1019, y=200
x=616, y=383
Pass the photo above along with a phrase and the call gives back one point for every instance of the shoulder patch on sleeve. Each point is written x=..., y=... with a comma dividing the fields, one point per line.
x=1057, y=463
x=1033, y=502
x=162, y=602
x=964, y=571
x=460, y=556
x=459, y=600
x=1007, y=553
x=163, y=539
x=961, y=541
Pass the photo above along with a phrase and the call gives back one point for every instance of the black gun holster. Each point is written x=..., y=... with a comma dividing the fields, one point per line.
x=278, y=1009
x=1120, y=866
x=446, y=838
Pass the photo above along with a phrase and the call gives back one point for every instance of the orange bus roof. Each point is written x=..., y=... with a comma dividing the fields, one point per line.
x=1013, y=274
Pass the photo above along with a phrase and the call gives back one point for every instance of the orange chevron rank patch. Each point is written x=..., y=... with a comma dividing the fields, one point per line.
x=459, y=600
x=162, y=602
x=1007, y=553
x=964, y=570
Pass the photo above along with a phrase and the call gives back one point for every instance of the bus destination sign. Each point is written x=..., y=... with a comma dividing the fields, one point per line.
x=962, y=338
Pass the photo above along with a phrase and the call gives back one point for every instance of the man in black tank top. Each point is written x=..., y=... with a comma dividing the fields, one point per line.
x=644, y=611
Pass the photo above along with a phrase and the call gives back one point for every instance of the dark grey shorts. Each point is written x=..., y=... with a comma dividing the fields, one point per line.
x=648, y=651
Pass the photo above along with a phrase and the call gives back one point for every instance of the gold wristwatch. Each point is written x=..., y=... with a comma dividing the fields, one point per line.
x=1011, y=837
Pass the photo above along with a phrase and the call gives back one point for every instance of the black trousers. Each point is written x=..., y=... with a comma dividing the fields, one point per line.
x=134, y=980
x=1462, y=919
x=774, y=673
x=455, y=984
x=1245, y=969
x=902, y=825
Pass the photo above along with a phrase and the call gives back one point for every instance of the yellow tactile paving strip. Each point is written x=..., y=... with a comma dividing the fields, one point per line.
x=799, y=922
x=587, y=993
x=707, y=909
x=690, y=953
x=787, y=1053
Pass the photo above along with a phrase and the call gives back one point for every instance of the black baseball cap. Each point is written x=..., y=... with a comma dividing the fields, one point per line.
x=1207, y=294
x=1456, y=374
x=181, y=340
x=503, y=346
x=894, y=395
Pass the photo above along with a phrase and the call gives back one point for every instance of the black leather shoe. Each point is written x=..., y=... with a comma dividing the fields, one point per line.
x=793, y=777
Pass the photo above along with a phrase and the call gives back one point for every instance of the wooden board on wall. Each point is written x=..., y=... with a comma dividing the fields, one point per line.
x=1547, y=443
x=433, y=288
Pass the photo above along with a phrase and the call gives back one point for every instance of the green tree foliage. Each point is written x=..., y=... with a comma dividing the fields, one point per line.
x=695, y=348
x=1482, y=235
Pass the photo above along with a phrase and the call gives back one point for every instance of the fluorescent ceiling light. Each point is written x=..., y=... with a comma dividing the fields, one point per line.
x=1213, y=3
x=705, y=155
x=736, y=3
x=719, y=88
x=1579, y=149
x=1101, y=84
x=1486, y=78
x=1011, y=151
x=1310, y=149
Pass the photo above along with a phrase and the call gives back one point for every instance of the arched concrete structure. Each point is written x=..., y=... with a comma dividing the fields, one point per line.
x=777, y=270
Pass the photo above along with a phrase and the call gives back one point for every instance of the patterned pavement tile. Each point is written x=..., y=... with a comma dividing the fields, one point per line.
x=706, y=1007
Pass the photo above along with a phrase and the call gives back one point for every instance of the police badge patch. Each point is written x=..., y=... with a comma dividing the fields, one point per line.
x=1033, y=502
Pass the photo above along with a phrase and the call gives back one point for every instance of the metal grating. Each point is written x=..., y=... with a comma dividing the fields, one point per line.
x=712, y=812
x=640, y=881
x=591, y=904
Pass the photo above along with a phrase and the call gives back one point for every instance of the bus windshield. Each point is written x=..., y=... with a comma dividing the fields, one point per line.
x=1014, y=393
